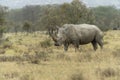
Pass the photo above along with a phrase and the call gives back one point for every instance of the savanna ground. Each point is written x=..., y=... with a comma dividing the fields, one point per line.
x=34, y=57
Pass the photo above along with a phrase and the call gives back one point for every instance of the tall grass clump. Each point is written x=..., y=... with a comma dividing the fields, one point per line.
x=46, y=43
x=26, y=77
x=84, y=57
x=63, y=56
x=116, y=53
x=41, y=56
x=107, y=72
x=77, y=76
x=5, y=43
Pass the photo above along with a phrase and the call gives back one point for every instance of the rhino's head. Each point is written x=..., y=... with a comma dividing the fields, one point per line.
x=60, y=37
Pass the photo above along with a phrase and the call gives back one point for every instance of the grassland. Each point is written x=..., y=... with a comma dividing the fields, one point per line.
x=34, y=57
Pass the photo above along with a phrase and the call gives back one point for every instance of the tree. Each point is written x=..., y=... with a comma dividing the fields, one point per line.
x=72, y=13
x=30, y=13
x=3, y=11
x=106, y=17
x=27, y=26
x=17, y=28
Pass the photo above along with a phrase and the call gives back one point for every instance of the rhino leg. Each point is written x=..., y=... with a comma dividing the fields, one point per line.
x=100, y=43
x=76, y=45
x=76, y=48
x=94, y=43
x=66, y=46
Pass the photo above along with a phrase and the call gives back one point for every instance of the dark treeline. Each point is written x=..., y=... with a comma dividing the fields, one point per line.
x=3, y=12
x=37, y=17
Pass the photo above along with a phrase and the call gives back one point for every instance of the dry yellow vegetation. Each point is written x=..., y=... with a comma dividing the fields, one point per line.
x=34, y=57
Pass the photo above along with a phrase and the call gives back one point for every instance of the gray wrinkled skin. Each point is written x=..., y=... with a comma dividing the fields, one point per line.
x=79, y=35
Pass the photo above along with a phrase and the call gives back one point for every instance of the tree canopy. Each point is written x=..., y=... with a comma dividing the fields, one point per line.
x=43, y=17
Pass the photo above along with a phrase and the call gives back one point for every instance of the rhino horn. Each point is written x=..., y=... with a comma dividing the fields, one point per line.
x=54, y=38
x=53, y=35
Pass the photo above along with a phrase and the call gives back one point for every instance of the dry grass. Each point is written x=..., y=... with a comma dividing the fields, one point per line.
x=36, y=58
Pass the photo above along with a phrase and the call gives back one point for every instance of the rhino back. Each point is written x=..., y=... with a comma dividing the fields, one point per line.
x=85, y=33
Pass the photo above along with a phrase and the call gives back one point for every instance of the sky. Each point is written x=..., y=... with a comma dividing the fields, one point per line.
x=12, y=4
